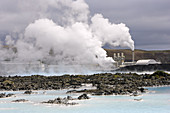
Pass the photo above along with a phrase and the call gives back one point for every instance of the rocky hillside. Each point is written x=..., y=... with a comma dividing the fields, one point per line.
x=162, y=56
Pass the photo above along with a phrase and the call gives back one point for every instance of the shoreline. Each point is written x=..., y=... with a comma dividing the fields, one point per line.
x=128, y=82
x=74, y=102
x=79, y=102
x=111, y=102
x=158, y=86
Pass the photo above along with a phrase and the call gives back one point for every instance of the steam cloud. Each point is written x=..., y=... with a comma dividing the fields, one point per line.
x=67, y=38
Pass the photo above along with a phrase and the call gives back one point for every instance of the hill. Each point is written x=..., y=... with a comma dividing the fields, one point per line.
x=161, y=55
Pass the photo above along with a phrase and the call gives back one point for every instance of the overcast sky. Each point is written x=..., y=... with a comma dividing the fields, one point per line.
x=148, y=20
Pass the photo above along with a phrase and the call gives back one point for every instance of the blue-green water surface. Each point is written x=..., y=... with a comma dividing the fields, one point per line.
x=156, y=101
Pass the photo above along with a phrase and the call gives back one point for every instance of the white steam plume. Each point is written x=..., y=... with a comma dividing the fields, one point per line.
x=113, y=34
x=71, y=41
x=74, y=44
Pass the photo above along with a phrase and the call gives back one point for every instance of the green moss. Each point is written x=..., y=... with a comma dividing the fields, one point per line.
x=117, y=76
x=157, y=76
x=160, y=73
x=8, y=82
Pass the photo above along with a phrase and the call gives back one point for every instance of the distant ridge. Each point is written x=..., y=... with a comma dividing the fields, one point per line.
x=159, y=55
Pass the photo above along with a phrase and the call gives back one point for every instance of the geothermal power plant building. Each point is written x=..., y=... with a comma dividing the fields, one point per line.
x=119, y=58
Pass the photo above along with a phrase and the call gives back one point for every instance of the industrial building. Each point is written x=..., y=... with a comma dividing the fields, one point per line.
x=119, y=58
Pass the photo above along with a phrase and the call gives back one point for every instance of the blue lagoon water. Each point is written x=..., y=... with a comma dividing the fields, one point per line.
x=156, y=101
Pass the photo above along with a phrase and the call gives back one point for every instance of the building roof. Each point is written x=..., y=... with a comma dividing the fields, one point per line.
x=147, y=62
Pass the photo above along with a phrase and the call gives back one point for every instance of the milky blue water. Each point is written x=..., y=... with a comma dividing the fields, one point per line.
x=156, y=101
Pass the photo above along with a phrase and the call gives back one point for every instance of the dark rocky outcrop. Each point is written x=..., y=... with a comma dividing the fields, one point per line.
x=72, y=91
x=28, y=92
x=83, y=96
x=20, y=100
x=140, y=99
x=10, y=95
x=62, y=101
x=105, y=83
x=124, y=84
x=4, y=95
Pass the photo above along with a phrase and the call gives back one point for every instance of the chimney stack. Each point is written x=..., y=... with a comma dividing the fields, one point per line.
x=114, y=56
x=133, y=56
x=122, y=54
x=118, y=54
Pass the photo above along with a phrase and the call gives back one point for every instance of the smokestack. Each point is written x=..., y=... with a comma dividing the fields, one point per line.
x=118, y=54
x=133, y=56
x=114, y=55
x=122, y=54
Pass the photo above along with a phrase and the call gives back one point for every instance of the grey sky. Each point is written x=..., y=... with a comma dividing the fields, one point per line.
x=148, y=20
